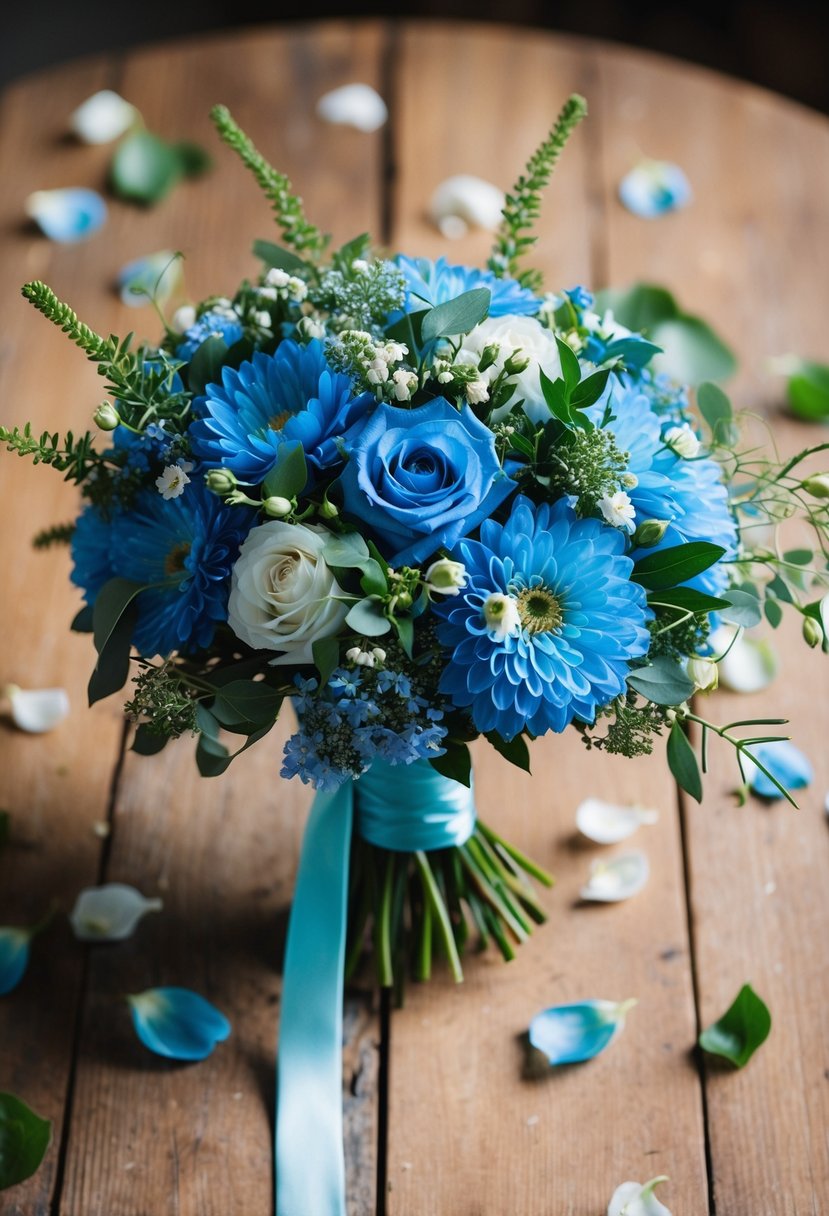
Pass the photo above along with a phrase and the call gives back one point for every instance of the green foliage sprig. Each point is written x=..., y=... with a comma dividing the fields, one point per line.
x=73, y=457
x=523, y=204
x=58, y=534
x=297, y=230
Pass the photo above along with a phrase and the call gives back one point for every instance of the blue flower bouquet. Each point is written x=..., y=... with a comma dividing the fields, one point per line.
x=422, y=503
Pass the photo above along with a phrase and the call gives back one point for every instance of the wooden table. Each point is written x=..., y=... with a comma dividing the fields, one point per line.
x=736, y=894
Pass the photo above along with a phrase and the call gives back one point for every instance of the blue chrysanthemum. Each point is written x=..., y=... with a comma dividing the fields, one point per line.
x=228, y=328
x=581, y=621
x=430, y=283
x=182, y=549
x=292, y=395
x=638, y=431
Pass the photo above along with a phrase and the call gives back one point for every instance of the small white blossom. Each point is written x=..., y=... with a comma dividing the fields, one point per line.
x=267, y=293
x=445, y=377
x=395, y=351
x=683, y=441
x=172, y=481
x=262, y=319
x=445, y=576
x=360, y=657
x=183, y=318
x=379, y=653
x=310, y=327
x=477, y=392
x=404, y=383
x=297, y=289
x=277, y=278
x=359, y=266
x=501, y=615
x=629, y=480
x=618, y=510
x=704, y=673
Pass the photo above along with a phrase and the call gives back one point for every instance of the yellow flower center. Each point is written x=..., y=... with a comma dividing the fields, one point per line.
x=174, y=562
x=539, y=610
x=277, y=421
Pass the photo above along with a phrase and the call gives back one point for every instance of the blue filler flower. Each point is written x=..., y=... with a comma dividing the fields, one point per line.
x=568, y=1034
x=177, y=1023
x=14, y=957
x=430, y=283
x=227, y=327
x=578, y=621
x=292, y=395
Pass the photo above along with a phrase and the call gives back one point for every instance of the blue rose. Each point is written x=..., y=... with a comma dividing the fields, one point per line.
x=422, y=478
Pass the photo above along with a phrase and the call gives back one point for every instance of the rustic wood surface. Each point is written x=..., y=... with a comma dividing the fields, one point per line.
x=736, y=893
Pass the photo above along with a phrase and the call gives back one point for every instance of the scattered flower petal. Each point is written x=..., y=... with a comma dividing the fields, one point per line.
x=653, y=188
x=14, y=957
x=744, y=1026
x=110, y=913
x=354, y=105
x=784, y=761
x=568, y=1034
x=177, y=1023
x=748, y=666
x=67, y=215
x=464, y=201
x=634, y=1199
x=607, y=823
x=617, y=879
x=102, y=117
x=154, y=277
x=37, y=709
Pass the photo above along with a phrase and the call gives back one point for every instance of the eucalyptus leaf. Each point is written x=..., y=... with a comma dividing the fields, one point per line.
x=742, y=608
x=148, y=742
x=692, y=352
x=663, y=681
x=276, y=257
x=24, y=1139
x=373, y=580
x=458, y=316
x=808, y=390
x=641, y=307
x=288, y=476
x=773, y=611
x=744, y=1026
x=367, y=617
x=346, y=550
x=404, y=628
x=682, y=762
x=212, y=757
x=244, y=706
x=715, y=408
x=111, y=603
x=669, y=567
x=114, y=616
x=144, y=168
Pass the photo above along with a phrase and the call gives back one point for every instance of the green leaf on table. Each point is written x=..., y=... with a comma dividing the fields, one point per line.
x=743, y=608
x=663, y=681
x=808, y=390
x=741, y=1029
x=669, y=567
x=24, y=1139
x=682, y=762
x=457, y=316
x=144, y=168
x=288, y=476
x=716, y=409
x=367, y=618
x=455, y=763
x=277, y=258
x=245, y=706
x=206, y=365
x=516, y=751
x=193, y=159
x=148, y=742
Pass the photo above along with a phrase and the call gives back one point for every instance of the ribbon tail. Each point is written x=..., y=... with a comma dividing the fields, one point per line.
x=310, y=1167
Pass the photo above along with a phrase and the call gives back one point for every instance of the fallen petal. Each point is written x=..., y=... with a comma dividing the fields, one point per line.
x=608, y=823
x=354, y=105
x=102, y=117
x=154, y=277
x=177, y=1023
x=110, y=913
x=37, y=709
x=617, y=879
x=634, y=1199
x=568, y=1034
x=14, y=957
x=67, y=215
x=463, y=201
x=748, y=665
x=654, y=188
x=784, y=761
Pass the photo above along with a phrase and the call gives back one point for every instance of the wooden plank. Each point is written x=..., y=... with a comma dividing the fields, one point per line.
x=752, y=256
x=470, y=1133
x=57, y=785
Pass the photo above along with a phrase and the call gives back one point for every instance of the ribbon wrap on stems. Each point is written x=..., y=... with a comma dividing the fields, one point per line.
x=404, y=809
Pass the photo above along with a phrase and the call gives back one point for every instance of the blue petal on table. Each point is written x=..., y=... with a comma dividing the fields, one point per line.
x=653, y=188
x=155, y=276
x=568, y=1034
x=14, y=957
x=784, y=761
x=177, y=1023
x=67, y=215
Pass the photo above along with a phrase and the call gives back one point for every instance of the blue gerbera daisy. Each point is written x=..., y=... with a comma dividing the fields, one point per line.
x=578, y=621
x=182, y=549
x=430, y=283
x=638, y=431
x=292, y=395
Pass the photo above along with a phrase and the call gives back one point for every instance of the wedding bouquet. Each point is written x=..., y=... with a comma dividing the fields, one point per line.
x=422, y=502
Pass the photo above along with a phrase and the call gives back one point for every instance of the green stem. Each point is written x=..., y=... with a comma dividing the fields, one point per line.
x=423, y=963
x=517, y=856
x=382, y=928
x=443, y=923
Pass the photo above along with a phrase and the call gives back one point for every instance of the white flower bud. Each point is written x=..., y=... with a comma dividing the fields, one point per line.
x=477, y=392
x=297, y=289
x=277, y=507
x=817, y=486
x=277, y=278
x=379, y=653
x=183, y=318
x=618, y=510
x=704, y=673
x=683, y=441
x=262, y=319
x=359, y=266
x=446, y=576
x=106, y=417
x=267, y=293
x=220, y=481
x=501, y=615
x=445, y=377
x=629, y=481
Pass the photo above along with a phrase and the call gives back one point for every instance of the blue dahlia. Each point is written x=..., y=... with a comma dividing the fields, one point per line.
x=576, y=621
x=292, y=395
x=430, y=283
x=227, y=327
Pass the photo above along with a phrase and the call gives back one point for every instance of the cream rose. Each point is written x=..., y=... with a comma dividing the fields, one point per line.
x=283, y=594
x=536, y=344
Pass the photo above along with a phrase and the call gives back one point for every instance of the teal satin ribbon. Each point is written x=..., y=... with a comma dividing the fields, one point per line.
x=404, y=809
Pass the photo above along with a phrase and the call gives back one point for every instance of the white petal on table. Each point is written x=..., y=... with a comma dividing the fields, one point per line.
x=750, y=664
x=634, y=1199
x=102, y=117
x=110, y=913
x=465, y=201
x=618, y=878
x=67, y=215
x=37, y=710
x=354, y=105
x=608, y=823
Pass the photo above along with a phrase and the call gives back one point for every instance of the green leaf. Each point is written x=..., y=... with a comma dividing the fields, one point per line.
x=687, y=599
x=367, y=618
x=683, y=762
x=570, y=366
x=663, y=681
x=206, y=365
x=798, y=557
x=516, y=751
x=373, y=580
x=111, y=603
x=640, y=308
x=288, y=476
x=244, y=706
x=715, y=408
x=555, y=395
x=773, y=611
x=212, y=757
x=409, y=330
x=808, y=390
x=457, y=316
x=456, y=762
x=193, y=159
x=24, y=1139
x=280, y=259
x=82, y=620
x=347, y=550
x=113, y=618
x=778, y=588
x=589, y=390
x=669, y=567
x=743, y=1027
x=404, y=628
x=743, y=608
x=144, y=168
x=691, y=352
x=148, y=742
x=326, y=652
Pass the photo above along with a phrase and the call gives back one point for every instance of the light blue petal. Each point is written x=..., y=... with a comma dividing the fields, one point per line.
x=568, y=1034
x=786, y=762
x=14, y=957
x=654, y=188
x=67, y=215
x=177, y=1023
x=152, y=277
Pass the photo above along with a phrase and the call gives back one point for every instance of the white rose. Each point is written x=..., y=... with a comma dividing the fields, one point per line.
x=536, y=344
x=283, y=594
